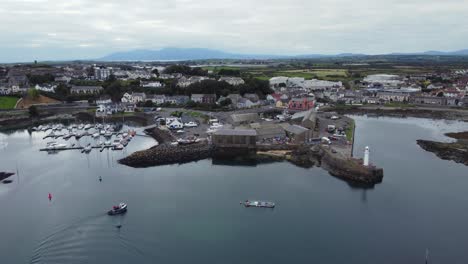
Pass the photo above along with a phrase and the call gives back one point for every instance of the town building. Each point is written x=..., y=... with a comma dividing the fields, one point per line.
x=102, y=73
x=86, y=89
x=301, y=104
x=235, y=138
x=234, y=81
x=204, y=98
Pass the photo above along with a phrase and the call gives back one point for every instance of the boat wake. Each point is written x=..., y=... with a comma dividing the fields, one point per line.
x=91, y=240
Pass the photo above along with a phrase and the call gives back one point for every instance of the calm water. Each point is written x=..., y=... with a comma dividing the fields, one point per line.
x=191, y=214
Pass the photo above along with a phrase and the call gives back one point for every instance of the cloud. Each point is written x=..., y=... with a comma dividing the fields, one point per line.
x=260, y=26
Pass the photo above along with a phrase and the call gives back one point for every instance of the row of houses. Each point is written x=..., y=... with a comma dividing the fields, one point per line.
x=185, y=82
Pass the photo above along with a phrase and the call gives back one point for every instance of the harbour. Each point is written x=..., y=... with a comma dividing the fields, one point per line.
x=172, y=206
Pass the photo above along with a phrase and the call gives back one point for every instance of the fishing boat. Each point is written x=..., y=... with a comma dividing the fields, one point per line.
x=108, y=134
x=87, y=126
x=96, y=135
x=261, y=204
x=118, y=209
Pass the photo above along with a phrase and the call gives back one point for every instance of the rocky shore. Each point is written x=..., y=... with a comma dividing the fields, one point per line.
x=168, y=154
x=448, y=114
x=455, y=151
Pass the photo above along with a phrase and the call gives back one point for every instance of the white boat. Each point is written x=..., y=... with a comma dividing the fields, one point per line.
x=55, y=146
x=80, y=127
x=180, y=131
x=102, y=132
x=116, y=142
x=87, y=149
x=108, y=134
x=87, y=126
x=216, y=126
x=96, y=135
x=118, y=147
x=108, y=143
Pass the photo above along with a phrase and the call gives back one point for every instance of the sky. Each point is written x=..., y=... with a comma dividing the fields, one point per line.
x=85, y=29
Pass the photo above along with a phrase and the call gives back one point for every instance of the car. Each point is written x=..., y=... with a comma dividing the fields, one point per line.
x=190, y=124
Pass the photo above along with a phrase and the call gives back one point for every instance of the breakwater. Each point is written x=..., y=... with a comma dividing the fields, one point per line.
x=168, y=154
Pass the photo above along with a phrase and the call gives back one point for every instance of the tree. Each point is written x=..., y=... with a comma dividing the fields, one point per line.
x=155, y=71
x=226, y=102
x=33, y=93
x=191, y=104
x=33, y=111
x=62, y=91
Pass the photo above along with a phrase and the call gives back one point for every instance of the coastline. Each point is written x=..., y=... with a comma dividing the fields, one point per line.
x=455, y=151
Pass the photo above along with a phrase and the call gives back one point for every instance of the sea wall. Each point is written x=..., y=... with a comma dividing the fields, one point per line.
x=349, y=168
x=168, y=154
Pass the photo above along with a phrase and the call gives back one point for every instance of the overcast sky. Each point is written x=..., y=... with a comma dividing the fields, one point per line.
x=79, y=29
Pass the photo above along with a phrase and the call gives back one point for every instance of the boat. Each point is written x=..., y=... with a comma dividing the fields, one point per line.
x=261, y=204
x=102, y=132
x=190, y=124
x=187, y=141
x=108, y=143
x=55, y=146
x=87, y=149
x=96, y=135
x=108, y=134
x=116, y=142
x=118, y=147
x=118, y=209
x=87, y=126
x=80, y=127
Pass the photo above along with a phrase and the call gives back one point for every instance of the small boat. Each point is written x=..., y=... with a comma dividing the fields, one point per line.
x=108, y=134
x=96, y=135
x=80, y=127
x=118, y=147
x=261, y=204
x=102, y=132
x=87, y=126
x=108, y=143
x=87, y=149
x=118, y=209
x=56, y=146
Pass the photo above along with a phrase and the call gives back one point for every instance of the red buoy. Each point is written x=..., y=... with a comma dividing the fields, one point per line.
x=50, y=196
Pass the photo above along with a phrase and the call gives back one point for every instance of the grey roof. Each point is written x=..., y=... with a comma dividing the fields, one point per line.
x=236, y=132
x=294, y=129
x=244, y=117
x=86, y=87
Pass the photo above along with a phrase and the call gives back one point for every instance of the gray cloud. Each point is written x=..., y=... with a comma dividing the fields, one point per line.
x=57, y=29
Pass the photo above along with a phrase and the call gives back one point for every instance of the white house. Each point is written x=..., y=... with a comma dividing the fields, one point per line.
x=127, y=98
x=175, y=124
x=232, y=80
x=46, y=88
x=157, y=99
x=151, y=84
x=138, y=97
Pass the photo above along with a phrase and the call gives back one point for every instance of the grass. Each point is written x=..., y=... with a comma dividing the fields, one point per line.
x=350, y=131
x=8, y=102
x=323, y=74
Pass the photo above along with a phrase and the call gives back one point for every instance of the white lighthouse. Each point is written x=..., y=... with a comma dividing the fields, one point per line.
x=366, y=156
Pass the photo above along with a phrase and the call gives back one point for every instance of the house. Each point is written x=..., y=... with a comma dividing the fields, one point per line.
x=183, y=82
x=235, y=138
x=297, y=134
x=151, y=84
x=157, y=99
x=268, y=131
x=234, y=98
x=46, y=88
x=138, y=97
x=104, y=100
x=166, y=76
x=175, y=124
x=86, y=89
x=5, y=90
x=431, y=100
x=102, y=73
x=244, y=103
x=301, y=104
x=177, y=99
x=234, y=81
x=393, y=96
x=204, y=98
x=63, y=79
x=126, y=98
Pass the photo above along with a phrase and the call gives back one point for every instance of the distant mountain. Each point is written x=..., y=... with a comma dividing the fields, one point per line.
x=177, y=54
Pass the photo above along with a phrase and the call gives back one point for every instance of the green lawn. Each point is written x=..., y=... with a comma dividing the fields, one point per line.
x=350, y=131
x=8, y=102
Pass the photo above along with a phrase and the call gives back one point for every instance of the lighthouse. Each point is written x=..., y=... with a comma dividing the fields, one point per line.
x=366, y=156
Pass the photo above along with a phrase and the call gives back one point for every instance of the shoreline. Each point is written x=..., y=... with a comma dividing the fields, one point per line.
x=455, y=151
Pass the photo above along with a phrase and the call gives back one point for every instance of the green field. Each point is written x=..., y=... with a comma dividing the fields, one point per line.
x=8, y=102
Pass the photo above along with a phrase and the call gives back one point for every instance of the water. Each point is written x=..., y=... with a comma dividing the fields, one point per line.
x=191, y=214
